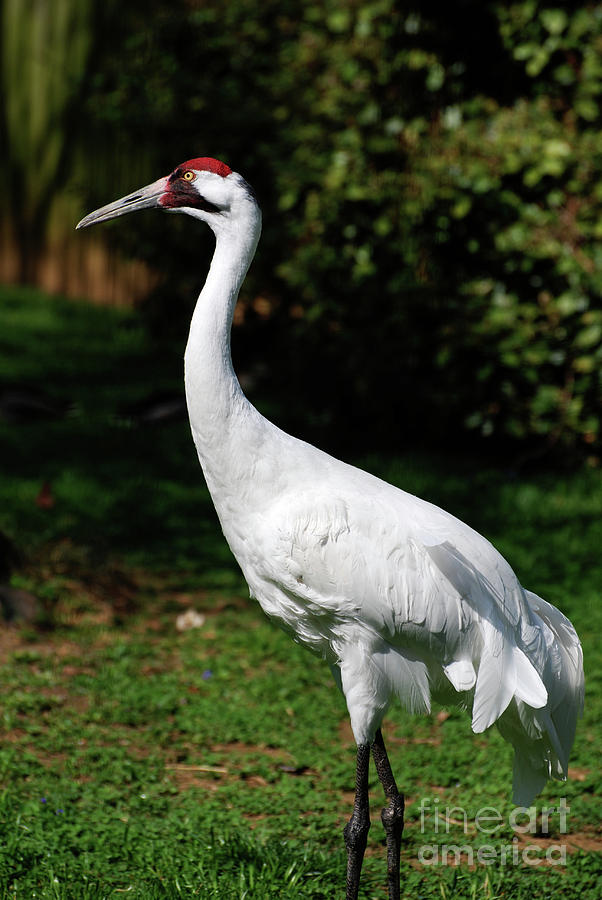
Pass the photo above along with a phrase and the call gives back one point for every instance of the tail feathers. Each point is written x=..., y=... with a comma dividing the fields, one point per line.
x=559, y=765
x=494, y=688
x=565, y=659
x=563, y=676
x=500, y=678
x=527, y=781
x=543, y=735
x=535, y=750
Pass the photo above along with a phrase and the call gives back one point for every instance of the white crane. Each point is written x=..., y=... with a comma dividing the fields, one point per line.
x=398, y=596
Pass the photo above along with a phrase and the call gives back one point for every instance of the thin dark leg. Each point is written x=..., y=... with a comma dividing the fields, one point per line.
x=392, y=815
x=356, y=829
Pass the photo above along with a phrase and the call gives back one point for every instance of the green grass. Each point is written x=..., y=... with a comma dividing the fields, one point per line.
x=139, y=761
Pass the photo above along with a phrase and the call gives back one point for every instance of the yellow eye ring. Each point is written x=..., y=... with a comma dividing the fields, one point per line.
x=188, y=176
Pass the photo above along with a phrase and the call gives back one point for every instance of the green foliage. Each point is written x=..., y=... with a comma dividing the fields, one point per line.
x=432, y=207
x=452, y=224
x=521, y=197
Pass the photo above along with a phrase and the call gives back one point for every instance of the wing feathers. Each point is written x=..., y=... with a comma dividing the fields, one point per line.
x=528, y=685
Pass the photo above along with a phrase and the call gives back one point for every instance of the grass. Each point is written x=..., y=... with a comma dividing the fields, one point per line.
x=138, y=760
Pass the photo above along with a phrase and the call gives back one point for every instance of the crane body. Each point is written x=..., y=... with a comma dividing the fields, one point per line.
x=398, y=596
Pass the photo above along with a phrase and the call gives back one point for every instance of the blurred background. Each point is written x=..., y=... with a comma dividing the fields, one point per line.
x=430, y=266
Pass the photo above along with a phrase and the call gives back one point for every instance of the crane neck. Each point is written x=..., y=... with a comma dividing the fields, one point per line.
x=213, y=392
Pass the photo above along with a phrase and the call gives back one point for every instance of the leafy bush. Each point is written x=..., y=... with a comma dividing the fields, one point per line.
x=456, y=231
x=431, y=201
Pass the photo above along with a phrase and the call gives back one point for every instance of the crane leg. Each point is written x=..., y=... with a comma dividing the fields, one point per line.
x=356, y=830
x=392, y=815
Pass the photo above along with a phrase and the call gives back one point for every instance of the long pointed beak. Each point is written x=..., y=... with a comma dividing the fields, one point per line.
x=146, y=198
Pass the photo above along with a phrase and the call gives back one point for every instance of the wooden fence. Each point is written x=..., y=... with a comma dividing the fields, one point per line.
x=81, y=267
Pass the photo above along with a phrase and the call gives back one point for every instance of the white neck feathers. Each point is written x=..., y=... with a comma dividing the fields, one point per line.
x=213, y=393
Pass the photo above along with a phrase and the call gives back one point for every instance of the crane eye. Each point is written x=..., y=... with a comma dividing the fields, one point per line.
x=189, y=176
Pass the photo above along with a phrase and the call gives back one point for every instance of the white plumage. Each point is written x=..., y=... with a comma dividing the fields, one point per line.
x=399, y=597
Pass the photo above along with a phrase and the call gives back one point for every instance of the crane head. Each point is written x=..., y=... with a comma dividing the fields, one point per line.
x=204, y=188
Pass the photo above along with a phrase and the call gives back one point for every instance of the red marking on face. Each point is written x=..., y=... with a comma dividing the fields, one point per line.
x=181, y=191
x=207, y=164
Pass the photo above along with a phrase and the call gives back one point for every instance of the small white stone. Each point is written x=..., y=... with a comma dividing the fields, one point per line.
x=190, y=619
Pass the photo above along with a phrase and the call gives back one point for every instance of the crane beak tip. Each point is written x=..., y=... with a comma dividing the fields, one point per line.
x=85, y=222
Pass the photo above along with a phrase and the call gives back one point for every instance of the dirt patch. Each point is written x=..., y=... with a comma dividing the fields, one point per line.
x=582, y=840
x=576, y=774
x=187, y=777
x=345, y=733
x=588, y=841
x=239, y=748
x=10, y=641
x=233, y=765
